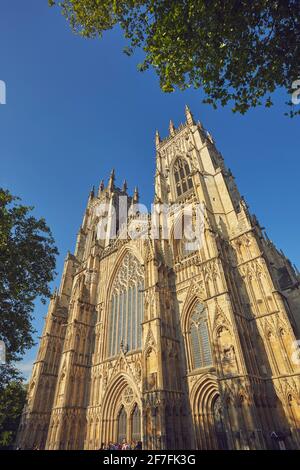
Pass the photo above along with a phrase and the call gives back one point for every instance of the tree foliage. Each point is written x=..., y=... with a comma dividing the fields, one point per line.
x=237, y=51
x=12, y=401
x=27, y=264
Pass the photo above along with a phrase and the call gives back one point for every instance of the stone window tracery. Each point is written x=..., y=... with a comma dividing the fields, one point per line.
x=182, y=177
x=199, y=338
x=126, y=307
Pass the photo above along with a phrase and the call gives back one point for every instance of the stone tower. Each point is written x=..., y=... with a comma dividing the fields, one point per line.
x=180, y=348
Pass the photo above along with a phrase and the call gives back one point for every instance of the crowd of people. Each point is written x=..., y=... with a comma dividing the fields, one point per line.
x=134, y=445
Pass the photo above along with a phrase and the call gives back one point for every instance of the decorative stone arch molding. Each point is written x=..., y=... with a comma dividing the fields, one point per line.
x=121, y=392
x=149, y=341
x=220, y=319
x=290, y=390
x=177, y=223
x=196, y=293
x=287, y=343
x=79, y=290
x=207, y=412
x=202, y=332
x=129, y=248
x=202, y=392
x=122, y=365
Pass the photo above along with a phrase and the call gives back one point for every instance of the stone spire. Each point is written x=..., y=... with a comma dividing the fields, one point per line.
x=171, y=128
x=136, y=196
x=124, y=187
x=111, y=182
x=92, y=193
x=157, y=139
x=101, y=187
x=189, y=116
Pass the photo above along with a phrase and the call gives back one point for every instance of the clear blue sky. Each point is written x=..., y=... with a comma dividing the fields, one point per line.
x=76, y=108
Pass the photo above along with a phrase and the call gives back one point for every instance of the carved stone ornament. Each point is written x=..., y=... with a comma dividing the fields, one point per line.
x=130, y=273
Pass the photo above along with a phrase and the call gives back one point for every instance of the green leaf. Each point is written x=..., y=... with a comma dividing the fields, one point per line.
x=231, y=49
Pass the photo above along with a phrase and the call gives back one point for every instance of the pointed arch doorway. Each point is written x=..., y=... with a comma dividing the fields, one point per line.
x=136, y=424
x=129, y=425
x=122, y=425
x=122, y=417
x=209, y=415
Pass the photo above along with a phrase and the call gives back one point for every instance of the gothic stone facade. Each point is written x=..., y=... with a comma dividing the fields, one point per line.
x=179, y=349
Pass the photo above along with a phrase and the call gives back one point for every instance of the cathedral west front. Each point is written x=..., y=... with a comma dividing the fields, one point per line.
x=174, y=344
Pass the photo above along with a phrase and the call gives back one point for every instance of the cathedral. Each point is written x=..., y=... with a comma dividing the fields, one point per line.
x=164, y=342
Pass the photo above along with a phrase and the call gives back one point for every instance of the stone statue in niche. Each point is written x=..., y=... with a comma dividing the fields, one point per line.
x=105, y=380
x=151, y=369
x=228, y=354
x=228, y=359
x=151, y=381
x=227, y=351
x=138, y=371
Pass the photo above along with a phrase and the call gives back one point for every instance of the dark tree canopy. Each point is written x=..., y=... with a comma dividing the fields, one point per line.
x=236, y=51
x=27, y=264
x=12, y=401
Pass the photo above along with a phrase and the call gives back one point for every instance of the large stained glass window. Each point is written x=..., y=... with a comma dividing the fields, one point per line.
x=199, y=338
x=126, y=307
x=183, y=177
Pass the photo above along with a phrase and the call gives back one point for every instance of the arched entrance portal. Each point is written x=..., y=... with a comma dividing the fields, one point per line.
x=208, y=415
x=219, y=427
x=121, y=419
x=129, y=427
